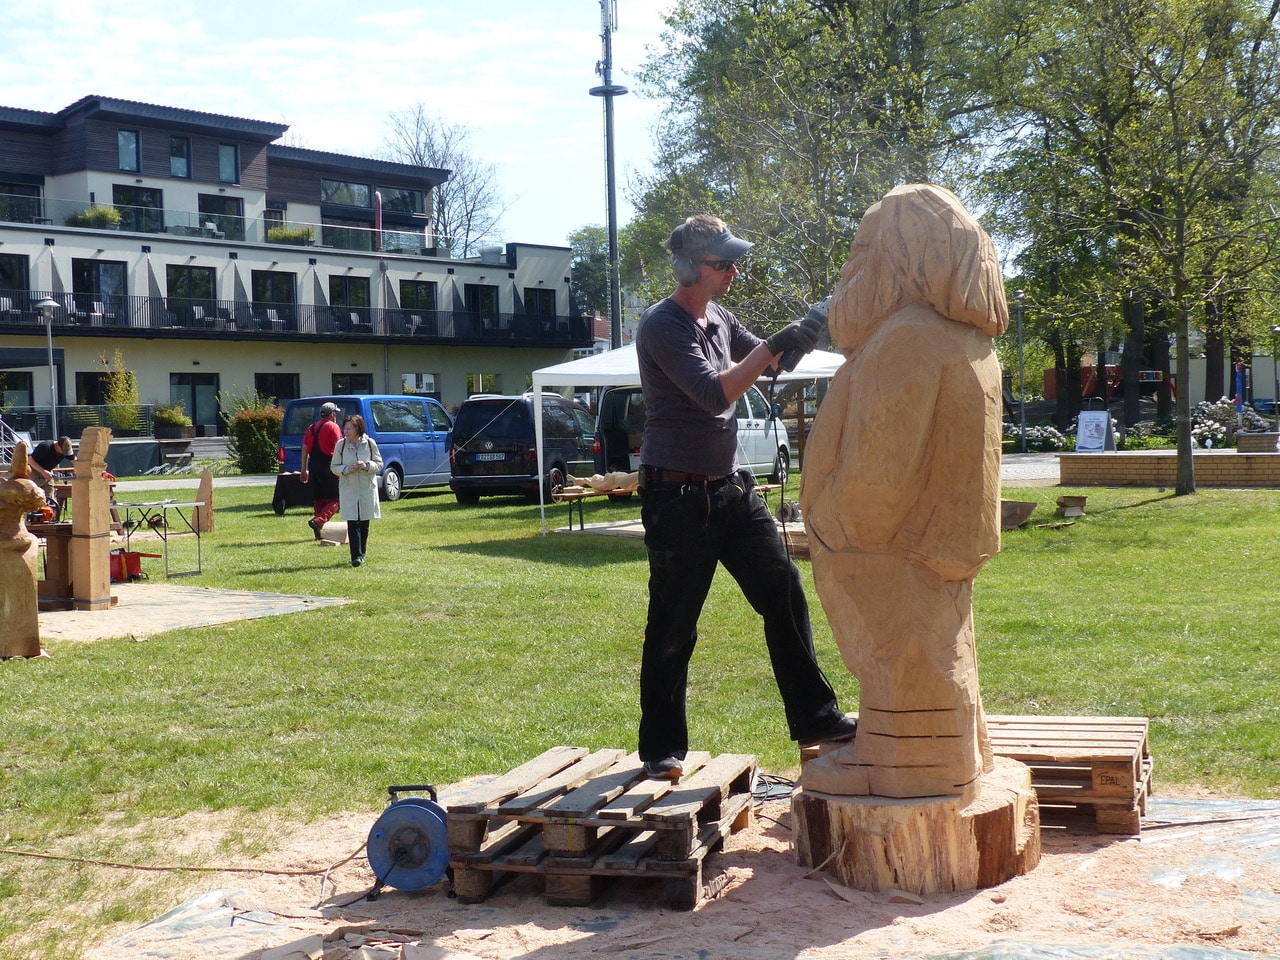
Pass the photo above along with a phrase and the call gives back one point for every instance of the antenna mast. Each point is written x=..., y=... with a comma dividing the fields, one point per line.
x=608, y=90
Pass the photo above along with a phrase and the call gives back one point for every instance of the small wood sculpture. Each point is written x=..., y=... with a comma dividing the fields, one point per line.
x=19, y=553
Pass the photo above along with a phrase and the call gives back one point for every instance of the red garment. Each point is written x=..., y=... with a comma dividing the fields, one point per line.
x=325, y=434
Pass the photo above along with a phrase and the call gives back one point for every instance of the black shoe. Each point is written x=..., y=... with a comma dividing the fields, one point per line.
x=316, y=526
x=843, y=729
x=668, y=768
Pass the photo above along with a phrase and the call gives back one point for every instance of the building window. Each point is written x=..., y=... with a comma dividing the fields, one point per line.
x=20, y=203
x=484, y=383
x=346, y=234
x=192, y=292
x=349, y=291
x=272, y=218
x=99, y=281
x=14, y=271
x=127, y=149
x=141, y=208
x=221, y=215
x=16, y=389
x=280, y=387
x=228, y=163
x=481, y=300
x=91, y=388
x=344, y=383
x=180, y=157
x=345, y=193
x=275, y=291
x=422, y=384
x=417, y=295
x=198, y=394
x=401, y=200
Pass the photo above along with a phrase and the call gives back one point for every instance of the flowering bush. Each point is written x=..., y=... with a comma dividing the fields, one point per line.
x=1216, y=422
x=1040, y=437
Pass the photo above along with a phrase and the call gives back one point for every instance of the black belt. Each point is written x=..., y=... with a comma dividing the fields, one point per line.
x=654, y=474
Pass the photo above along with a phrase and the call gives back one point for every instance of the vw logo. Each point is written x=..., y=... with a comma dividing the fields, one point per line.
x=488, y=444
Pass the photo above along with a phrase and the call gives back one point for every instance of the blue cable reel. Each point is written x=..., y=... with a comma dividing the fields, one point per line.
x=408, y=846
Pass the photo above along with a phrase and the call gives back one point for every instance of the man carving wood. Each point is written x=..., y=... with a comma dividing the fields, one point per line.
x=901, y=493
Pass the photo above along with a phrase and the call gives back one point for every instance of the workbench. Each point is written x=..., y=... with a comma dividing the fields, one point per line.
x=155, y=514
x=576, y=495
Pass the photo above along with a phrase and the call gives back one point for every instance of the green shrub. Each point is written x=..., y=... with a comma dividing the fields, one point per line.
x=97, y=215
x=254, y=439
x=170, y=415
x=300, y=236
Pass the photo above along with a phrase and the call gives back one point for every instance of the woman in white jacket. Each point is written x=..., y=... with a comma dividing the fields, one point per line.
x=357, y=462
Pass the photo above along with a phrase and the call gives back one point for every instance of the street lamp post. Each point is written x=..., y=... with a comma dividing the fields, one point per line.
x=1018, y=298
x=46, y=308
x=1275, y=373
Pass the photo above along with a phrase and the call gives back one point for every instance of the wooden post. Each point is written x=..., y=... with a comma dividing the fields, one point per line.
x=204, y=515
x=91, y=523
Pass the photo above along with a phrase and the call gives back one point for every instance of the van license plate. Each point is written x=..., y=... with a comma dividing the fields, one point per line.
x=490, y=456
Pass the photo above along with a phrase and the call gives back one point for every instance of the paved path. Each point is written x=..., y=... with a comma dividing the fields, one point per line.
x=144, y=609
x=1015, y=468
x=1029, y=469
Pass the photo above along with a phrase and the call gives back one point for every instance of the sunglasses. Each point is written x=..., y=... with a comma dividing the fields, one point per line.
x=719, y=266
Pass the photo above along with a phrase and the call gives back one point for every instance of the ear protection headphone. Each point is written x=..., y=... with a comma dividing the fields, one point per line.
x=686, y=270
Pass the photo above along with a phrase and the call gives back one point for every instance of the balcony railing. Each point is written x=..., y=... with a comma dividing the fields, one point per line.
x=115, y=314
x=15, y=208
x=125, y=420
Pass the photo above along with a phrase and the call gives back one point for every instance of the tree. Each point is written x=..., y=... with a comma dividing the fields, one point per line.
x=590, y=282
x=1164, y=113
x=120, y=392
x=788, y=118
x=468, y=206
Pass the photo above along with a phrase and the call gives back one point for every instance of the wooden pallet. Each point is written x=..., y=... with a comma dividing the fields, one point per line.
x=1092, y=765
x=578, y=819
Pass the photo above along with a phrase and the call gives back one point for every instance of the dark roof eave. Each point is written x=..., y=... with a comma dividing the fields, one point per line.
x=339, y=162
x=131, y=111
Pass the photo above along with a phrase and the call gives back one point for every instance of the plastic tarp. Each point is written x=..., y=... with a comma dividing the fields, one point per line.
x=621, y=368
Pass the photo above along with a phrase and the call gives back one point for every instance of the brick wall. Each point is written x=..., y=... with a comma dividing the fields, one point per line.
x=1159, y=468
x=1256, y=442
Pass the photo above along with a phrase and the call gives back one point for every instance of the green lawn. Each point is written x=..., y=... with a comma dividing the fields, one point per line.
x=475, y=643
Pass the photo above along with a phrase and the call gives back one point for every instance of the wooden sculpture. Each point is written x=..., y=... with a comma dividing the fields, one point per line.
x=901, y=502
x=19, y=552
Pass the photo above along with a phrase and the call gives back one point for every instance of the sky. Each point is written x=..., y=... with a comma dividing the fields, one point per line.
x=515, y=73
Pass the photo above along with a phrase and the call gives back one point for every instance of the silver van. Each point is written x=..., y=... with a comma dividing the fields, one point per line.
x=763, y=446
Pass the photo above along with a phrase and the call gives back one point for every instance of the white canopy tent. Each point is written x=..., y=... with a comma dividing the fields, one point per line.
x=621, y=368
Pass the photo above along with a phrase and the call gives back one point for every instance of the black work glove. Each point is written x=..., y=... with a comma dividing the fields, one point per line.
x=797, y=339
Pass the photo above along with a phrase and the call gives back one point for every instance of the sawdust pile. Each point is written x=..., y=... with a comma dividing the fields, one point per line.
x=1178, y=886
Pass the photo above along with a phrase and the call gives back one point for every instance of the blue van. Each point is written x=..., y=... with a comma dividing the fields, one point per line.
x=412, y=433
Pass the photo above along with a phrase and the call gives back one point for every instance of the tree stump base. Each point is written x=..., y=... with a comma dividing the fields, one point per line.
x=927, y=844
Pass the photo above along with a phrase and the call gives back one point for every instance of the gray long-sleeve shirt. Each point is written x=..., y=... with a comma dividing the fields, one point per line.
x=690, y=425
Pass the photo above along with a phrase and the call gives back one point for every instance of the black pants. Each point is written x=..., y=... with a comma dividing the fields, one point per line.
x=688, y=530
x=357, y=537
